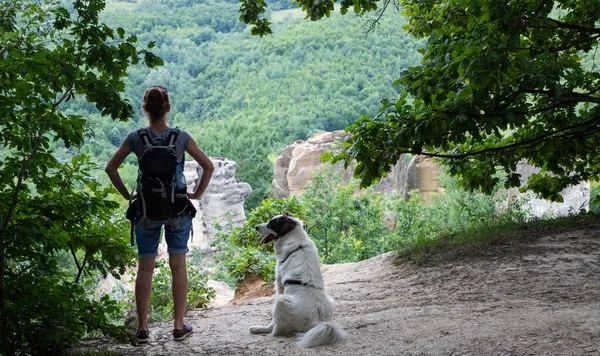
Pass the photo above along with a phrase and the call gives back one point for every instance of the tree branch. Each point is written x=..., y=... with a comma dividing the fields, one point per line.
x=531, y=142
x=567, y=46
x=79, y=268
x=560, y=24
x=372, y=24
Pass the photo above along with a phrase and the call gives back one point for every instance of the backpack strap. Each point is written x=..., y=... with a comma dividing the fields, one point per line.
x=172, y=137
x=145, y=136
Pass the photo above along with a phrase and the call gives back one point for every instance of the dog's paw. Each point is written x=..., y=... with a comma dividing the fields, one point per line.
x=261, y=329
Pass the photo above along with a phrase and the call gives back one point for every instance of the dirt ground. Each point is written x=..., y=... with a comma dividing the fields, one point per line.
x=539, y=296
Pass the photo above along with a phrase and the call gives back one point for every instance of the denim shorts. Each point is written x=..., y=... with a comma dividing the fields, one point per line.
x=177, y=233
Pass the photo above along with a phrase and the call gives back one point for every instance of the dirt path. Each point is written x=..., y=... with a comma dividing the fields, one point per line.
x=537, y=297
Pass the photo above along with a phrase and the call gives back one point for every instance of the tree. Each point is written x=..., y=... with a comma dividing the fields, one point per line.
x=51, y=207
x=499, y=83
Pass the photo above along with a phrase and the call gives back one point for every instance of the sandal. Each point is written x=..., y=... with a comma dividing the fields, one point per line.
x=180, y=334
x=142, y=336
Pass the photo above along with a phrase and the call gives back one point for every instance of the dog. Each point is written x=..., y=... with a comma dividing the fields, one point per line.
x=301, y=305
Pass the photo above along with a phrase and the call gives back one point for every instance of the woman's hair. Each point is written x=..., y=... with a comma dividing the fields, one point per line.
x=156, y=102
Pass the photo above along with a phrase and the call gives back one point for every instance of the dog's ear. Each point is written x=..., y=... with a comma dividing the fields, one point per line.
x=282, y=225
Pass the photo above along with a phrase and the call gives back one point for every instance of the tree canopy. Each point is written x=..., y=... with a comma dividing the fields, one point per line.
x=499, y=83
x=53, y=210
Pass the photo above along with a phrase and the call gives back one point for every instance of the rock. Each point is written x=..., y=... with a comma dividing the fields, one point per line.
x=396, y=180
x=306, y=158
x=222, y=202
x=280, y=187
x=422, y=175
x=223, y=293
x=575, y=197
x=298, y=161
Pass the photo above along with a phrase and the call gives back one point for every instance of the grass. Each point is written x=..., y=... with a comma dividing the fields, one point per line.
x=483, y=239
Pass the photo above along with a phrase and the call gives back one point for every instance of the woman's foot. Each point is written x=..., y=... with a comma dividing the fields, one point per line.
x=180, y=334
x=142, y=336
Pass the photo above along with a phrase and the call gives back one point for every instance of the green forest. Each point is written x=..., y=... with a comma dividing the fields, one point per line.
x=243, y=97
x=480, y=85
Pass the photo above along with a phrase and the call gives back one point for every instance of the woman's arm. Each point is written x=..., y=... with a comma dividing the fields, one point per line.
x=112, y=168
x=205, y=163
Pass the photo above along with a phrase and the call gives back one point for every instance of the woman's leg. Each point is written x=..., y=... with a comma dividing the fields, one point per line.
x=143, y=288
x=179, y=287
x=147, y=237
x=177, y=236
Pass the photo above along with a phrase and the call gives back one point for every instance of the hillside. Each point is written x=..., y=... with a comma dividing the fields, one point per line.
x=228, y=88
x=537, y=296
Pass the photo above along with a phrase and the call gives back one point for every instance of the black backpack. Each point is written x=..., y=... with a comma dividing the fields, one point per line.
x=157, y=195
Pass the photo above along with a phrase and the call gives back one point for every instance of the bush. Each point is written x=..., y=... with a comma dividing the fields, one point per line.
x=238, y=253
x=348, y=222
x=161, y=300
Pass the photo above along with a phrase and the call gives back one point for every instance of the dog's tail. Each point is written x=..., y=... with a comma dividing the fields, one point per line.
x=324, y=333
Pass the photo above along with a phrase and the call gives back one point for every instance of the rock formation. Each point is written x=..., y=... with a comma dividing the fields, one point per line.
x=295, y=166
x=280, y=187
x=222, y=202
x=575, y=197
x=422, y=175
x=293, y=169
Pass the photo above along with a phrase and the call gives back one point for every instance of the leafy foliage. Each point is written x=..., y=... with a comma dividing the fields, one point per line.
x=499, y=83
x=238, y=251
x=51, y=205
x=161, y=300
x=350, y=225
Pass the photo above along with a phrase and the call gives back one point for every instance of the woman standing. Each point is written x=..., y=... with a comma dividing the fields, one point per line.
x=177, y=230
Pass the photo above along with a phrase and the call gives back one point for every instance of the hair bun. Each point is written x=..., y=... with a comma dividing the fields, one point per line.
x=156, y=102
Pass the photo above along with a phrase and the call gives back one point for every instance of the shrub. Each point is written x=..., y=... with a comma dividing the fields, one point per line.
x=238, y=253
x=348, y=222
x=161, y=300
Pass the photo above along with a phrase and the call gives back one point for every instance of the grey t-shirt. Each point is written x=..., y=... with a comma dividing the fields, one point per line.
x=137, y=144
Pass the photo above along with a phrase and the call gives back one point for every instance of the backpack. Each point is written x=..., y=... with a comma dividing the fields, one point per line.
x=157, y=195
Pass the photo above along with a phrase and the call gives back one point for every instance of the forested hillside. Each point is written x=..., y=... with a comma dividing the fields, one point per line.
x=245, y=97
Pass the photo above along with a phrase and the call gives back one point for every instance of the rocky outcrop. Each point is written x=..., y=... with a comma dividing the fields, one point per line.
x=422, y=175
x=222, y=202
x=396, y=180
x=280, y=187
x=294, y=168
x=575, y=197
x=304, y=158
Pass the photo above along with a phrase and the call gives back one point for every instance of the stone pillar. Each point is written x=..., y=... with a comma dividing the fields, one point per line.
x=295, y=167
x=222, y=202
x=395, y=181
x=280, y=187
x=423, y=175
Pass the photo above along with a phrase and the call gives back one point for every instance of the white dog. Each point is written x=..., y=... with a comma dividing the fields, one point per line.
x=301, y=306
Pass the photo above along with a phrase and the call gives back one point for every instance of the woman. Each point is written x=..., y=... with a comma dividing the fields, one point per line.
x=156, y=105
